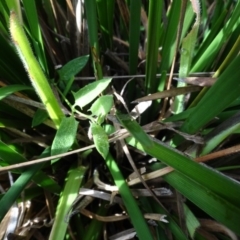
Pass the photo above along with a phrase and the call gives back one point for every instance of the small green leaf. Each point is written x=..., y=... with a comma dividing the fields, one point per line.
x=39, y=117
x=65, y=136
x=100, y=139
x=191, y=221
x=8, y=90
x=109, y=129
x=102, y=105
x=86, y=94
x=72, y=68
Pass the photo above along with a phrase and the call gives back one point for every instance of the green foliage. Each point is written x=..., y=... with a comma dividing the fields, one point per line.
x=8, y=90
x=106, y=38
x=100, y=139
x=65, y=136
x=88, y=93
x=69, y=70
x=102, y=106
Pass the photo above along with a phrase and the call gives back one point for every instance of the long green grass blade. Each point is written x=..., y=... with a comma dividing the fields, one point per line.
x=69, y=194
x=210, y=53
x=216, y=99
x=153, y=37
x=212, y=204
x=19, y=185
x=133, y=210
x=220, y=184
x=134, y=34
x=91, y=12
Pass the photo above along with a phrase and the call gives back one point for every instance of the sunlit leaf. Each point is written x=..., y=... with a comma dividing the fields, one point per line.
x=100, y=139
x=102, y=105
x=88, y=93
x=65, y=136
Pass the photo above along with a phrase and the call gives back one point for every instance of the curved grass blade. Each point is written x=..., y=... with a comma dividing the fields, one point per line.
x=8, y=90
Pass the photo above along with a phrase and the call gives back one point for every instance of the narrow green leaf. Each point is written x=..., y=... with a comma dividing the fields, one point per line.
x=105, y=9
x=65, y=136
x=46, y=182
x=191, y=221
x=131, y=205
x=8, y=90
x=86, y=94
x=220, y=184
x=216, y=99
x=95, y=228
x=212, y=204
x=100, y=139
x=187, y=54
x=188, y=43
x=19, y=185
x=69, y=194
x=207, y=58
x=102, y=105
x=220, y=133
x=9, y=156
x=134, y=34
x=91, y=14
x=154, y=23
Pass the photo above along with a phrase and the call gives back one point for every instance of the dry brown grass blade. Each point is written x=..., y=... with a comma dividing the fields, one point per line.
x=213, y=226
x=122, y=5
x=198, y=81
x=120, y=217
x=169, y=93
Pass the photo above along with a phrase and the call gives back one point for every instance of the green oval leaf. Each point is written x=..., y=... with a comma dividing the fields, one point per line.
x=100, y=139
x=102, y=105
x=86, y=94
x=72, y=68
x=65, y=136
